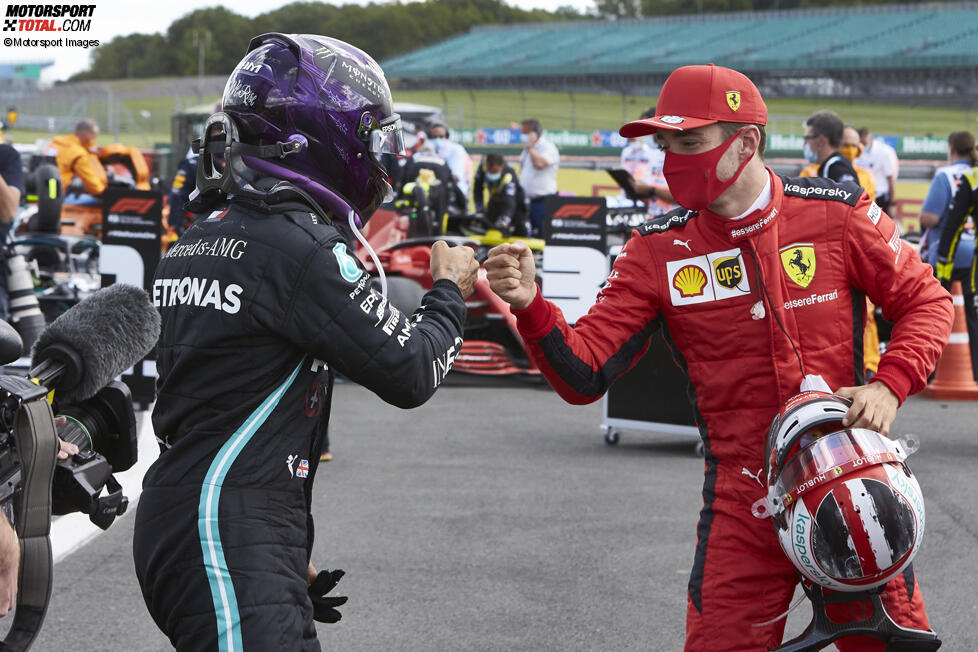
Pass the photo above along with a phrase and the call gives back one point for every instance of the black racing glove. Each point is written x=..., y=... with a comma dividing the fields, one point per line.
x=323, y=606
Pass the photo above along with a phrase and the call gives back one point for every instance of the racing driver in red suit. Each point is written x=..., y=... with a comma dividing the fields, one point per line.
x=756, y=282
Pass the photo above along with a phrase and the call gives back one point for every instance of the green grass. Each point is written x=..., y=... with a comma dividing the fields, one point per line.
x=145, y=122
x=586, y=112
x=582, y=112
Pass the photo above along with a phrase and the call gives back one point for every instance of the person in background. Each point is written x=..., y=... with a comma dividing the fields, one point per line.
x=935, y=220
x=11, y=187
x=457, y=159
x=76, y=161
x=11, y=192
x=426, y=172
x=957, y=238
x=507, y=204
x=642, y=158
x=538, y=171
x=961, y=157
x=823, y=137
x=880, y=159
x=851, y=148
x=184, y=182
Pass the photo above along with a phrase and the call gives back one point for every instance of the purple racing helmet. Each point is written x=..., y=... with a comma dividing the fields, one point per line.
x=329, y=104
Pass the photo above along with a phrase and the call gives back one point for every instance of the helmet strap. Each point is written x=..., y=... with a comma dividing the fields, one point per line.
x=823, y=630
x=331, y=201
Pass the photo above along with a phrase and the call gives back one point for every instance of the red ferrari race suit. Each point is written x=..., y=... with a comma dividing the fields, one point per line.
x=735, y=299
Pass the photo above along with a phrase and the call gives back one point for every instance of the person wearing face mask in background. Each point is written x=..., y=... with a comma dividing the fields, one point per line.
x=507, y=204
x=850, y=148
x=538, y=171
x=823, y=136
x=731, y=279
x=642, y=158
x=429, y=173
x=880, y=159
x=457, y=159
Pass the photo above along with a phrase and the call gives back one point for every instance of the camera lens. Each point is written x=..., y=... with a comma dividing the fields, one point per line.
x=76, y=431
x=88, y=424
x=105, y=424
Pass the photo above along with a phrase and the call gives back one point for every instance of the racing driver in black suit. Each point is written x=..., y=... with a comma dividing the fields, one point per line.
x=262, y=302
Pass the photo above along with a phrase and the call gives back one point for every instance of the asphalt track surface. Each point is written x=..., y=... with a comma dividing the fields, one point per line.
x=497, y=519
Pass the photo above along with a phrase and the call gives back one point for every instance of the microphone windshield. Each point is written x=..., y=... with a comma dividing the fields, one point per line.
x=11, y=345
x=98, y=339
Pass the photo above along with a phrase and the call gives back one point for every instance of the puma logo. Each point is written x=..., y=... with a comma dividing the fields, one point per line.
x=679, y=242
x=756, y=476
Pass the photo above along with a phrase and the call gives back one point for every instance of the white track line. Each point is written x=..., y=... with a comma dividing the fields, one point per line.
x=72, y=531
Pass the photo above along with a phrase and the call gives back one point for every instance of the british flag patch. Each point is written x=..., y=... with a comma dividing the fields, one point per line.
x=302, y=471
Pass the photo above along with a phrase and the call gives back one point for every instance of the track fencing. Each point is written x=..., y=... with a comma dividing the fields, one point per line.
x=139, y=111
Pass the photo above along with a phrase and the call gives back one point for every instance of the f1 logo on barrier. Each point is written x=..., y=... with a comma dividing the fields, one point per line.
x=583, y=211
x=575, y=258
x=132, y=205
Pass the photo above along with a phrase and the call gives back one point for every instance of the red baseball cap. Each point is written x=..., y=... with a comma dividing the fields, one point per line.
x=696, y=96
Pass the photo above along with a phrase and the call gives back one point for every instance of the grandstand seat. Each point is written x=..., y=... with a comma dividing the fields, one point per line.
x=888, y=36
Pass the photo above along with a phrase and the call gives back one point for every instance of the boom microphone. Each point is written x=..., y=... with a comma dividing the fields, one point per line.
x=81, y=351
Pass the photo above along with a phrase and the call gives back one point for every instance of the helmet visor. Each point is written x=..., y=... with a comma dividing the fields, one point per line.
x=830, y=457
x=387, y=137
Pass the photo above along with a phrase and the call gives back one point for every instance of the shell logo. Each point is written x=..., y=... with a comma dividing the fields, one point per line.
x=690, y=281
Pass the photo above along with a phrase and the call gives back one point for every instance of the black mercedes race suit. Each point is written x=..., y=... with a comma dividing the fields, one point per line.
x=260, y=308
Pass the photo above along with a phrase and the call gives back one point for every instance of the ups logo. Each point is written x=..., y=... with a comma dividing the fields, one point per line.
x=728, y=271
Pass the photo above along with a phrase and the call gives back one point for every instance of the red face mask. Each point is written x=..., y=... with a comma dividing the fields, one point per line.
x=692, y=178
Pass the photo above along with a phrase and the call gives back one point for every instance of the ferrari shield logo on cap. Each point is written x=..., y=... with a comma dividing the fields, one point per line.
x=799, y=262
x=733, y=100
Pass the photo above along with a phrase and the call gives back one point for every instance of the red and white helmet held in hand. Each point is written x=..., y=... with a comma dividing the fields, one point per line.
x=848, y=512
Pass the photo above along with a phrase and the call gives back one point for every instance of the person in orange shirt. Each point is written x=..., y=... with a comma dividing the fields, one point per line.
x=74, y=159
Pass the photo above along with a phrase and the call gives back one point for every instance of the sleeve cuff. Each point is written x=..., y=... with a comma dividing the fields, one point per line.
x=447, y=284
x=536, y=320
x=896, y=379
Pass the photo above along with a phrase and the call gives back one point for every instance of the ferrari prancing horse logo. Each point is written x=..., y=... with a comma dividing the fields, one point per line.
x=799, y=262
x=733, y=100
